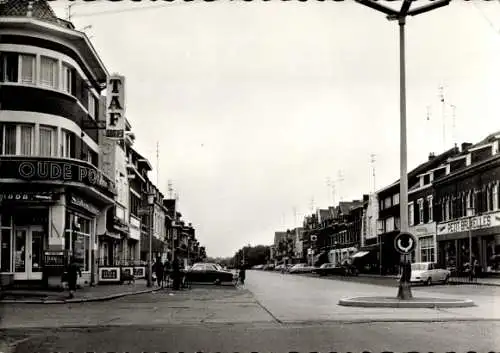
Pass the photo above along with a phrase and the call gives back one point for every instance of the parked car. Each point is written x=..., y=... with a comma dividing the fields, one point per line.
x=209, y=273
x=301, y=268
x=329, y=269
x=428, y=273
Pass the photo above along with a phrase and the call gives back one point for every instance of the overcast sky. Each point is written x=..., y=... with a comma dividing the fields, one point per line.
x=255, y=105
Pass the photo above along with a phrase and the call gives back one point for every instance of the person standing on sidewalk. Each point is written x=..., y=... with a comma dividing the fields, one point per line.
x=176, y=280
x=73, y=271
x=242, y=273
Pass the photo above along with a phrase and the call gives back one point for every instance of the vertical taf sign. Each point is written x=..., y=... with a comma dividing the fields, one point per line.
x=115, y=107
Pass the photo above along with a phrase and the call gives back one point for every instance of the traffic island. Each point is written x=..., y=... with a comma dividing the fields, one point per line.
x=392, y=302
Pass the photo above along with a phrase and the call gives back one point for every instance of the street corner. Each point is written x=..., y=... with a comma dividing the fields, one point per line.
x=393, y=302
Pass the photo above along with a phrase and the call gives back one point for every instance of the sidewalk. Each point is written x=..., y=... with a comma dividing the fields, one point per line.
x=491, y=281
x=86, y=294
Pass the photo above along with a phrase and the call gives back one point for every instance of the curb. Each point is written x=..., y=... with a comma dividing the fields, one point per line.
x=425, y=303
x=82, y=300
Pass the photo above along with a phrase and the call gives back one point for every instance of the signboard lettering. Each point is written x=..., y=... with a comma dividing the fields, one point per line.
x=470, y=223
x=27, y=196
x=115, y=107
x=83, y=204
x=109, y=274
x=41, y=169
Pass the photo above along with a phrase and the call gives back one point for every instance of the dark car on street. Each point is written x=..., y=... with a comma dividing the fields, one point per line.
x=209, y=273
x=329, y=269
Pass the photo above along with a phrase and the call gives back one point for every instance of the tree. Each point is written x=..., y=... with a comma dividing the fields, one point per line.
x=257, y=255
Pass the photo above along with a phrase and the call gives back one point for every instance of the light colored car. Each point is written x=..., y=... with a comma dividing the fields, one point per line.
x=428, y=273
x=301, y=268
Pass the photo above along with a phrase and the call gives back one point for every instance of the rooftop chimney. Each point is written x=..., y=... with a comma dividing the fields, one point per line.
x=432, y=156
x=465, y=146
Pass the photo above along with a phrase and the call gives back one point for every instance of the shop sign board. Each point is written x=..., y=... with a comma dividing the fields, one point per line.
x=38, y=197
x=50, y=169
x=405, y=243
x=109, y=274
x=139, y=272
x=115, y=107
x=423, y=229
x=77, y=201
x=469, y=223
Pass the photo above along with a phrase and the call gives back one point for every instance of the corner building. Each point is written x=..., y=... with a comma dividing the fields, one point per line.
x=54, y=198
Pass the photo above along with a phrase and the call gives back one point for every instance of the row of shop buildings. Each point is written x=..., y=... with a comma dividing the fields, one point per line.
x=71, y=181
x=453, y=211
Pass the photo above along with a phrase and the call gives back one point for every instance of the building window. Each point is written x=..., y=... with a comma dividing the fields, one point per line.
x=431, y=208
x=420, y=211
x=47, y=141
x=26, y=140
x=389, y=224
x=10, y=67
x=427, y=249
x=380, y=226
x=9, y=134
x=68, y=77
x=395, y=200
x=27, y=68
x=67, y=144
x=495, y=196
x=17, y=139
x=49, y=72
x=387, y=202
x=411, y=215
x=92, y=105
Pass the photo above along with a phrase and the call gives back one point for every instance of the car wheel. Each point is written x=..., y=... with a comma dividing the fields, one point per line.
x=446, y=279
x=428, y=282
x=217, y=282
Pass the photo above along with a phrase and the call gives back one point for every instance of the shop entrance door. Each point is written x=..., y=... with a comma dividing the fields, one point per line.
x=28, y=252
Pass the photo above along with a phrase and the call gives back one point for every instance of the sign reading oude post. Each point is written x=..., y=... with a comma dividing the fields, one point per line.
x=405, y=243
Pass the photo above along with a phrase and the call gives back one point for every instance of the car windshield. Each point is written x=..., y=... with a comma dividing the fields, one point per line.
x=419, y=266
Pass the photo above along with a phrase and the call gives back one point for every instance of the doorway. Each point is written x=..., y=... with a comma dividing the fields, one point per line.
x=28, y=252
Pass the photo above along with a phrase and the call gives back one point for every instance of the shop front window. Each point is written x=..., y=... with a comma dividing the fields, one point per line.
x=492, y=255
x=427, y=249
x=78, y=238
x=5, y=251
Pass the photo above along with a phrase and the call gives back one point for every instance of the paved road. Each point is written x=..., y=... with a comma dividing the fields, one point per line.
x=293, y=298
x=284, y=313
x=379, y=337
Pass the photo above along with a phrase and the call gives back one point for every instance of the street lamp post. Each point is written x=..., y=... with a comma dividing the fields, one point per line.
x=151, y=200
x=400, y=16
x=472, y=211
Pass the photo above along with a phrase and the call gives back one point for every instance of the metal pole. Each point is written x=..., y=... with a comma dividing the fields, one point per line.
x=150, y=265
x=403, y=194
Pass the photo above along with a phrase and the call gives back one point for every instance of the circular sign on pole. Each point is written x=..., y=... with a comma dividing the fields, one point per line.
x=405, y=243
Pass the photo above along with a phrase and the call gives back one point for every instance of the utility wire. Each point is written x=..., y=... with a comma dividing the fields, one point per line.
x=497, y=31
x=138, y=8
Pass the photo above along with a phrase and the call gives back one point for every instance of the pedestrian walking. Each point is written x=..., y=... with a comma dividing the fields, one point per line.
x=158, y=269
x=176, y=274
x=73, y=271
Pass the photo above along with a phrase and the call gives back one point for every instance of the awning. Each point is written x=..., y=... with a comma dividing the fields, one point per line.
x=360, y=254
x=111, y=235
